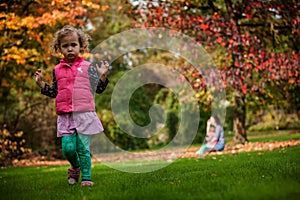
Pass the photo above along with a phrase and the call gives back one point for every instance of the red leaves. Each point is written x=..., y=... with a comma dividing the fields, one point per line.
x=282, y=67
x=236, y=64
x=195, y=74
x=220, y=41
x=248, y=8
x=248, y=16
x=291, y=81
x=245, y=51
x=244, y=89
x=203, y=27
x=295, y=56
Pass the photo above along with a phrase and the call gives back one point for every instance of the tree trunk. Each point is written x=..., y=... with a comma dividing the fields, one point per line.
x=239, y=126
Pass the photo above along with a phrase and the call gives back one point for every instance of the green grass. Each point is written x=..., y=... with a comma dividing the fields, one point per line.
x=268, y=136
x=275, y=138
x=255, y=175
x=275, y=135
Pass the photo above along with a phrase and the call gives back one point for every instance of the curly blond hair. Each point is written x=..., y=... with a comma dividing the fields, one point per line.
x=67, y=29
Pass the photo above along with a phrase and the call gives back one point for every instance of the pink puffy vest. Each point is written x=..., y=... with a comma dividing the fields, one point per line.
x=74, y=88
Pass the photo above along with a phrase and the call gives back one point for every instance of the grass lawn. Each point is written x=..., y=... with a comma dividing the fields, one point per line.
x=255, y=175
x=275, y=135
x=268, y=136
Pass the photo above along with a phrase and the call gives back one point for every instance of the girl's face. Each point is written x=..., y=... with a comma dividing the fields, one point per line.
x=212, y=120
x=212, y=129
x=70, y=47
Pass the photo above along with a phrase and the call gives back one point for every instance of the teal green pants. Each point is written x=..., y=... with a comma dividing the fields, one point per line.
x=76, y=149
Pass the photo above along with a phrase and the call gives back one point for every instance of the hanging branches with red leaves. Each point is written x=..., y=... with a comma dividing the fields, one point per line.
x=260, y=38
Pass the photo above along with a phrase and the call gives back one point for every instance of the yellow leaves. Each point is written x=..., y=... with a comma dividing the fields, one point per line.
x=5, y=133
x=10, y=143
x=203, y=95
x=19, y=55
x=200, y=93
x=14, y=22
x=22, y=149
x=90, y=4
x=11, y=21
x=19, y=134
x=46, y=13
x=29, y=22
x=87, y=55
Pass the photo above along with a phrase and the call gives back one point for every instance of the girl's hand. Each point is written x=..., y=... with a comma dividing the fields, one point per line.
x=102, y=70
x=39, y=78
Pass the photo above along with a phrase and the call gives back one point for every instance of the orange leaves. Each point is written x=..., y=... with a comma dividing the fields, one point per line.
x=234, y=149
x=230, y=149
x=104, y=7
x=219, y=40
x=21, y=31
x=48, y=18
x=14, y=22
x=60, y=2
x=57, y=11
x=29, y=22
x=10, y=21
x=244, y=89
x=14, y=54
x=52, y=18
x=17, y=23
x=92, y=5
x=19, y=55
x=204, y=27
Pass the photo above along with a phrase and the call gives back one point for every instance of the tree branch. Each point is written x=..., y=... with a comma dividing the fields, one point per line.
x=212, y=6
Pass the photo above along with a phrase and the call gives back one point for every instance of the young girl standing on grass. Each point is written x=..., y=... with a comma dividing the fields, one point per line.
x=74, y=82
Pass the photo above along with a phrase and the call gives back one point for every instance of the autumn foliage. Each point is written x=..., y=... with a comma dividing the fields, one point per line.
x=255, y=44
x=27, y=28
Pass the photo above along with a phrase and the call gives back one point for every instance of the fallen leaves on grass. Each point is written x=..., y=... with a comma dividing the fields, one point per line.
x=250, y=146
x=166, y=154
